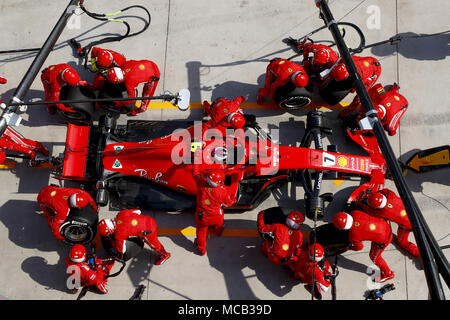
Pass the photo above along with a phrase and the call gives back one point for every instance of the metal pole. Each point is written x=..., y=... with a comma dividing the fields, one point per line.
x=412, y=209
x=37, y=63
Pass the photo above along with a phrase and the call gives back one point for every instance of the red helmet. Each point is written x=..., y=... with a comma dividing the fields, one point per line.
x=70, y=77
x=316, y=254
x=106, y=227
x=115, y=75
x=376, y=200
x=77, y=253
x=343, y=220
x=321, y=57
x=215, y=178
x=236, y=120
x=340, y=72
x=78, y=200
x=300, y=79
x=105, y=59
x=295, y=219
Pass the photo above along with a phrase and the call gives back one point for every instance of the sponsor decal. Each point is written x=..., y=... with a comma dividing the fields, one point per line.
x=207, y=202
x=53, y=193
x=328, y=159
x=357, y=224
x=118, y=221
x=390, y=205
x=134, y=222
x=142, y=172
x=372, y=227
x=403, y=213
x=65, y=197
x=342, y=161
x=158, y=175
x=79, y=223
x=117, y=164
x=118, y=148
x=285, y=247
x=397, y=98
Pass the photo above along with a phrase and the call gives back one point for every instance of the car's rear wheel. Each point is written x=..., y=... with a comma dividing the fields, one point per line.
x=290, y=97
x=80, y=225
x=78, y=111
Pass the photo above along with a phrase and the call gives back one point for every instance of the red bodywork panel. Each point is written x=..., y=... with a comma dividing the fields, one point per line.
x=76, y=151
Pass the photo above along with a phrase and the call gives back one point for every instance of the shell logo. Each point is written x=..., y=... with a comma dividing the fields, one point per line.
x=53, y=193
x=366, y=64
x=285, y=247
x=134, y=222
x=397, y=98
x=207, y=202
x=342, y=161
x=281, y=62
x=372, y=227
x=403, y=213
x=142, y=67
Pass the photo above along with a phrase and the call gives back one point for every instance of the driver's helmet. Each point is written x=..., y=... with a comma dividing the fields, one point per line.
x=236, y=120
x=106, y=227
x=70, y=77
x=215, y=178
x=105, y=59
x=340, y=72
x=316, y=252
x=299, y=79
x=295, y=219
x=115, y=75
x=78, y=200
x=77, y=253
x=321, y=57
x=376, y=200
x=342, y=221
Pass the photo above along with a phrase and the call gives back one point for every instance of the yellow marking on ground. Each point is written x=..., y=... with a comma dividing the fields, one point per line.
x=248, y=106
x=338, y=182
x=8, y=165
x=245, y=233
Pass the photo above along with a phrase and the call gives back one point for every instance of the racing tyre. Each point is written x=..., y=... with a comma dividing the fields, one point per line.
x=81, y=111
x=290, y=97
x=133, y=247
x=109, y=91
x=334, y=91
x=333, y=240
x=80, y=226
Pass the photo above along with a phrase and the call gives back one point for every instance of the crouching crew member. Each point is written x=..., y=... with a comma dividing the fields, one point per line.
x=131, y=223
x=56, y=203
x=363, y=227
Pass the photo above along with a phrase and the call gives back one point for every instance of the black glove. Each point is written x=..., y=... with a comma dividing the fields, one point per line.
x=200, y=216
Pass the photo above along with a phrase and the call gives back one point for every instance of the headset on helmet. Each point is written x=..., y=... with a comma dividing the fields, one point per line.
x=105, y=59
x=343, y=220
x=115, y=75
x=215, y=178
x=70, y=77
x=376, y=200
x=78, y=200
x=77, y=253
x=295, y=219
x=316, y=252
x=106, y=227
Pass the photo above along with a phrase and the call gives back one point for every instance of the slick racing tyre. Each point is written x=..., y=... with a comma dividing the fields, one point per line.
x=334, y=91
x=110, y=90
x=80, y=226
x=290, y=97
x=133, y=247
x=333, y=240
x=79, y=111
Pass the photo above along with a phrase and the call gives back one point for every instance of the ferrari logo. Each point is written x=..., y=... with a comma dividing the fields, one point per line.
x=118, y=221
x=134, y=222
x=225, y=110
x=390, y=205
x=403, y=213
x=219, y=103
x=65, y=197
x=207, y=202
x=289, y=70
x=372, y=227
x=357, y=224
x=285, y=247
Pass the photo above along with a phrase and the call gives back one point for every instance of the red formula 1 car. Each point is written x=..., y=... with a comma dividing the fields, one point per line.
x=148, y=164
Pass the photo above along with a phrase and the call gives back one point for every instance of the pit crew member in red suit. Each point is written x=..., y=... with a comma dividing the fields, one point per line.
x=278, y=73
x=54, y=78
x=390, y=105
x=105, y=58
x=11, y=140
x=224, y=112
x=308, y=261
x=211, y=196
x=56, y=203
x=363, y=227
x=131, y=223
x=287, y=240
x=89, y=273
x=369, y=69
x=132, y=73
x=323, y=57
x=387, y=205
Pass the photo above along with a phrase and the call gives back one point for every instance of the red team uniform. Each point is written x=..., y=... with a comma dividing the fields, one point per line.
x=56, y=203
x=224, y=112
x=130, y=223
